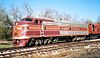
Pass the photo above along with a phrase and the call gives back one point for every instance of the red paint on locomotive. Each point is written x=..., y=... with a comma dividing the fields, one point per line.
x=94, y=28
x=26, y=29
x=34, y=28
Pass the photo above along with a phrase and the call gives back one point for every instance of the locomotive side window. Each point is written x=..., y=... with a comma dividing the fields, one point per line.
x=28, y=19
x=70, y=28
x=93, y=28
x=45, y=28
x=40, y=21
x=36, y=21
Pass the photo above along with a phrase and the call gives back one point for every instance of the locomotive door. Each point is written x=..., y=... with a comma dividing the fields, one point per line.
x=42, y=29
x=92, y=29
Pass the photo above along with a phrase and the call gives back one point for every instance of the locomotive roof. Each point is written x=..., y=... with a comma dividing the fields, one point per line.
x=43, y=19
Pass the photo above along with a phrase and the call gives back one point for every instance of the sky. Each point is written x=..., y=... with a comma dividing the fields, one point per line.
x=87, y=9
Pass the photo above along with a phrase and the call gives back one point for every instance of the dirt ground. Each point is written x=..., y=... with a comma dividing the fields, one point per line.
x=85, y=53
x=93, y=52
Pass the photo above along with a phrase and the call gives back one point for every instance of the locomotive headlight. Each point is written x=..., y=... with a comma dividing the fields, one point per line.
x=25, y=27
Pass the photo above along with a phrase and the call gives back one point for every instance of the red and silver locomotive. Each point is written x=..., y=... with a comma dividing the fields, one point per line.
x=36, y=31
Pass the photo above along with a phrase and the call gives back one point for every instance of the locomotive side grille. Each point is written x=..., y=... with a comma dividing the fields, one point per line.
x=28, y=33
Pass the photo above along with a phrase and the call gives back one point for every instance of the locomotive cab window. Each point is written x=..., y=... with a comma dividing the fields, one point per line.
x=27, y=19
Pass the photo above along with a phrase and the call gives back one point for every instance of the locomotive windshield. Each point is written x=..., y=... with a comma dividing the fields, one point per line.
x=27, y=19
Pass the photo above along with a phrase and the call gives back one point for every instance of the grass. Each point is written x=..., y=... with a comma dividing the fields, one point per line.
x=6, y=44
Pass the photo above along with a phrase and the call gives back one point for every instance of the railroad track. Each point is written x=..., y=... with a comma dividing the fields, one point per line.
x=52, y=48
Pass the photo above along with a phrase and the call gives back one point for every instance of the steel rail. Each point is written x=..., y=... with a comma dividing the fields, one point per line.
x=15, y=52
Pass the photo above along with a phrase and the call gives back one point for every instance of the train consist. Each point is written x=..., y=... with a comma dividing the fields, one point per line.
x=36, y=31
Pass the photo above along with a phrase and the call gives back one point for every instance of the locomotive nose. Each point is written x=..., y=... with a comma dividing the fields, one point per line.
x=15, y=34
x=16, y=42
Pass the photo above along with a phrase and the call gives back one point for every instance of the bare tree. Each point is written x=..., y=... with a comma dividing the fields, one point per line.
x=66, y=17
x=88, y=21
x=28, y=9
x=48, y=13
x=5, y=24
x=15, y=13
x=98, y=19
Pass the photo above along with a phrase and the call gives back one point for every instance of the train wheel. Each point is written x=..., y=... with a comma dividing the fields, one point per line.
x=45, y=41
x=88, y=37
x=40, y=42
x=74, y=39
x=30, y=43
x=55, y=40
x=36, y=42
x=49, y=41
